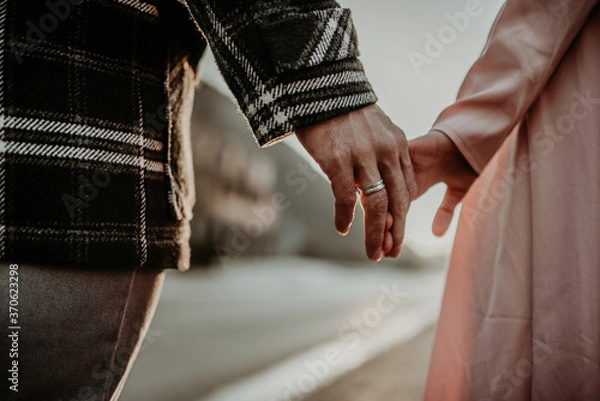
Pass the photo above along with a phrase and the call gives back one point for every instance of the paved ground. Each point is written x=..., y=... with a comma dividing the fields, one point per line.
x=397, y=375
x=241, y=333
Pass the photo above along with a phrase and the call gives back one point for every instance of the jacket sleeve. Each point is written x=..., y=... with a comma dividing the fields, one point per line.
x=525, y=46
x=289, y=63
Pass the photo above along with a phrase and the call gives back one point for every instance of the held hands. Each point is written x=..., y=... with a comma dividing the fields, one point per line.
x=363, y=147
x=436, y=159
x=357, y=150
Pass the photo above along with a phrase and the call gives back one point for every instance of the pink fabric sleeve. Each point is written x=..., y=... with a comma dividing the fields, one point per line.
x=526, y=44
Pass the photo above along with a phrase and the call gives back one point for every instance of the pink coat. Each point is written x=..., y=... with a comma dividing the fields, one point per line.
x=520, y=317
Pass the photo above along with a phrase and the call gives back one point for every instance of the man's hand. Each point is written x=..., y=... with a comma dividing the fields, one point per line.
x=437, y=159
x=358, y=149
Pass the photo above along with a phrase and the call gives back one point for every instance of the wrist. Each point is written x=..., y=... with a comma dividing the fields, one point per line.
x=451, y=159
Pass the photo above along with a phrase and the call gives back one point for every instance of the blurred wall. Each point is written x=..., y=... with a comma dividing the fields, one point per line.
x=253, y=201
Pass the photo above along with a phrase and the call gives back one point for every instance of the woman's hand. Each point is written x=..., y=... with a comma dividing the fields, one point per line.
x=436, y=159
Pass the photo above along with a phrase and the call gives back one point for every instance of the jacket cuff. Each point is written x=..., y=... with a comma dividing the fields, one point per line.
x=308, y=96
x=314, y=71
x=473, y=158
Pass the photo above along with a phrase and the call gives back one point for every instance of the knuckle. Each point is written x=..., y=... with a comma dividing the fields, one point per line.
x=404, y=204
x=446, y=209
x=401, y=205
x=380, y=205
x=389, y=163
x=413, y=189
x=401, y=133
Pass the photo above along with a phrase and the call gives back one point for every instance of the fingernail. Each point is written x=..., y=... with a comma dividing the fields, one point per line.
x=378, y=255
x=346, y=231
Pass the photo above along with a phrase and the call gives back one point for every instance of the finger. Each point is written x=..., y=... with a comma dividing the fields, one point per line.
x=388, y=243
x=389, y=221
x=408, y=172
x=388, y=240
x=444, y=215
x=399, y=200
x=376, y=208
x=344, y=191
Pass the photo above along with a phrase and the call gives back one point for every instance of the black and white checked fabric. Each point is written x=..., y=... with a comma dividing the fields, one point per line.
x=95, y=100
x=289, y=63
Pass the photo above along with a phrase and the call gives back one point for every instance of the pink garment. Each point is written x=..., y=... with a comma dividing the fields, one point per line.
x=520, y=317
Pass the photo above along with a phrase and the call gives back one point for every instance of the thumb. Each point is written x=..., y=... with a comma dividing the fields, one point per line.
x=444, y=215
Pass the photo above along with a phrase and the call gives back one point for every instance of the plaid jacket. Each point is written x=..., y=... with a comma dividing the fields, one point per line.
x=95, y=101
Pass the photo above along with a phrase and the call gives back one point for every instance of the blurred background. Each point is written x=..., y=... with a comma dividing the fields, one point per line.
x=277, y=306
